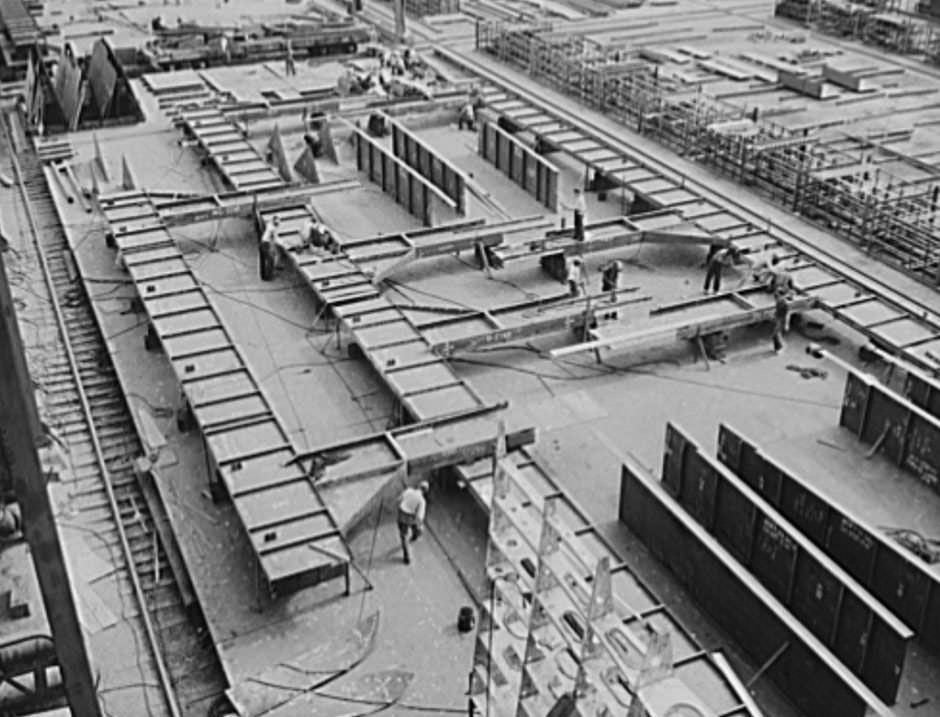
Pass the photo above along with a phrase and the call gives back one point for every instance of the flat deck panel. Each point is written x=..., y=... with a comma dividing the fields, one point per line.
x=195, y=367
x=442, y=402
x=195, y=343
x=261, y=472
x=197, y=320
x=183, y=302
x=237, y=443
x=220, y=388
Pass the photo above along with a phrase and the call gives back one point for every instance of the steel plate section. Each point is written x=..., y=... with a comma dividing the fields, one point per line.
x=869, y=312
x=214, y=363
x=900, y=580
x=245, y=441
x=905, y=332
x=261, y=473
x=233, y=445
x=284, y=503
x=221, y=388
x=422, y=378
x=195, y=343
x=806, y=671
x=794, y=569
x=179, y=304
x=441, y=402
x=232, y=411
x=197, y=320
x=169, y=286
x=300, y=531
x=399, y=332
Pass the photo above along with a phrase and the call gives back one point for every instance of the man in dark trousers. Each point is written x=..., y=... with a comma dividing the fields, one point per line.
x=290, y=68
x=781, y=319
x=610, y=278
x=580, y=210
x=716, y=263
x=412, y=505
x=269, y=250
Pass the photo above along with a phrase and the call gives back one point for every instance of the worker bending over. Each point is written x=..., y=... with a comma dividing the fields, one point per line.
x=311, y=234
x=467, y=117
x=610, y=278
x=716, y=263
x=575, y=277
x=412, y=505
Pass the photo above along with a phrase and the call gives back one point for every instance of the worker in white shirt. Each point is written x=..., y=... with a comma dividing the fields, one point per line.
x=224, y=45
x=580, y=212
x=412, y=505
x=575, y=277
x=269, y=250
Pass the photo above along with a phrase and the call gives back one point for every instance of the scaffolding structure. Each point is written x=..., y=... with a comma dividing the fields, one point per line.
x=837, y=181
x=871, y=21
x=422, y=8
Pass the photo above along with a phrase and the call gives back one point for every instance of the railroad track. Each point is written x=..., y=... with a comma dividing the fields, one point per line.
x=108, y=500
x=901, y=324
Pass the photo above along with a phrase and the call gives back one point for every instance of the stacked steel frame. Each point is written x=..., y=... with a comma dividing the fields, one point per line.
x=888, y=216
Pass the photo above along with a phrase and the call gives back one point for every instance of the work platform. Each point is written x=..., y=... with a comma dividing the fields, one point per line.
x=583, y=413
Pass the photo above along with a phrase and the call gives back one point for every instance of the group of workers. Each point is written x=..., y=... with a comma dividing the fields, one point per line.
x=313, y=235
x=772, y=275
x=610, y=277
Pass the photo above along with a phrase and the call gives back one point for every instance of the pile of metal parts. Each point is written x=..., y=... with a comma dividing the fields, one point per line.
x=193, y=45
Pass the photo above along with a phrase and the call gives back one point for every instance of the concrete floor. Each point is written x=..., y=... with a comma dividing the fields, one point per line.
x=588, y=415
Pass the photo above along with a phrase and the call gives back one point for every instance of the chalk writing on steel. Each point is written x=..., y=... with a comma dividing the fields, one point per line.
x=856, y=533
x=774, y=540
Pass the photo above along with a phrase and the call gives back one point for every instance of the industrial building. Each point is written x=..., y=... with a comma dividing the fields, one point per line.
x=470, y=357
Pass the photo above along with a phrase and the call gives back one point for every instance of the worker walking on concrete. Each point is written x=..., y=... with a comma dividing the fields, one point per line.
x=467, y=117
x=575, y=277
x=269, y=251
x=781, y=321
x=580, y=211
x=610, y=278
x=290, y=68
x=412, y=505
x=716, y=263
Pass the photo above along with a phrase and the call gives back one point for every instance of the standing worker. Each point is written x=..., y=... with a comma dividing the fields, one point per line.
x=467, y=117
x=575, y=277
x=716, y=263
x=289, y=67
x=224, y=45
x=781, y=319
x=412, y=505
x=269, y=250
x=580, y=210
x=610, y=278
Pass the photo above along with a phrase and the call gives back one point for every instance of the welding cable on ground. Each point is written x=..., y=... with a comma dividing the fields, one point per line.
x=394, y=703
x=112, y=551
